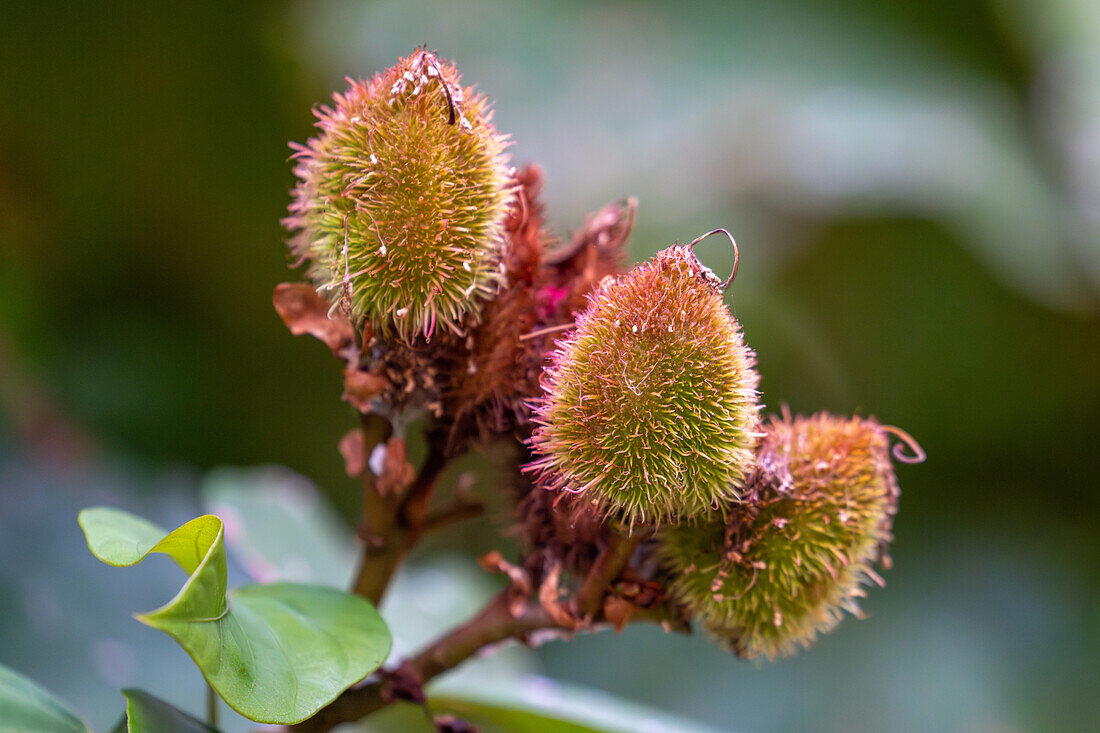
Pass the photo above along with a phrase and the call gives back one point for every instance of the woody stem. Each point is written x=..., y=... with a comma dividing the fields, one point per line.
x=607, y=568
x=392, y=525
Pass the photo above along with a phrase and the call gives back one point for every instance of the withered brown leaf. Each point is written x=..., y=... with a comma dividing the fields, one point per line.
x=305, y=312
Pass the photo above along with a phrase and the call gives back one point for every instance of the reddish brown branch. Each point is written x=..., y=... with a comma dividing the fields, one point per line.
x=494, y=624
x=455, y=512
x=607, y=568
x=500, y=620
x=376, y=527
x=393, y=525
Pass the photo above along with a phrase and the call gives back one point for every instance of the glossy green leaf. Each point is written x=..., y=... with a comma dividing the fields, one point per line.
x=148, y=714
x=27, y=708
x=275, y=653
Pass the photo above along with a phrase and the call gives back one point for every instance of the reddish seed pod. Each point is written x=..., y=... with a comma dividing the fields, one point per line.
x=787, y=562
x=650, y=408
x=401, y=199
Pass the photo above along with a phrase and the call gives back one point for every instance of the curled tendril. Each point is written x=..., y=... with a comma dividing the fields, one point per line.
x=916, y=454
x=736, y=252
x=430, y=60
x=450, y=101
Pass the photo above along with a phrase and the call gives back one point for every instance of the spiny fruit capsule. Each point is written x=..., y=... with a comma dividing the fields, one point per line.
x=785, y=564
x=401, y=199
x=650, y=407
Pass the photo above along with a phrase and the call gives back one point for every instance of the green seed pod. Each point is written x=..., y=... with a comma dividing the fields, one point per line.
x=786, y=564
x=650, y=407
x=401, y=199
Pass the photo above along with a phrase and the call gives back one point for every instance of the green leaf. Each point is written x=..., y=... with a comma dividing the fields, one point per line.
x=493, y=718
x=275, y=653
x=534, y=704
x=27, y=708
x=400, y=717
x=148, y=714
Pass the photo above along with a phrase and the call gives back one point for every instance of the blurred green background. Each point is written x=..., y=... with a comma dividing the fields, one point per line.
x=915, y=188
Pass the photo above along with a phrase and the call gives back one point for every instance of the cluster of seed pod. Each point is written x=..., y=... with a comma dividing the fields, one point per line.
x=767, y=533
x=644, y=417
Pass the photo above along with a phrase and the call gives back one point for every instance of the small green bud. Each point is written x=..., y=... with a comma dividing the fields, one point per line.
x=401, y=199
x=650, y=407
x=786, y=564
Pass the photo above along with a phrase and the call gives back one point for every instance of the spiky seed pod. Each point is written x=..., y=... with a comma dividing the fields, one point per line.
x=650, y=408
x=401, y=199
x=792, y=558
